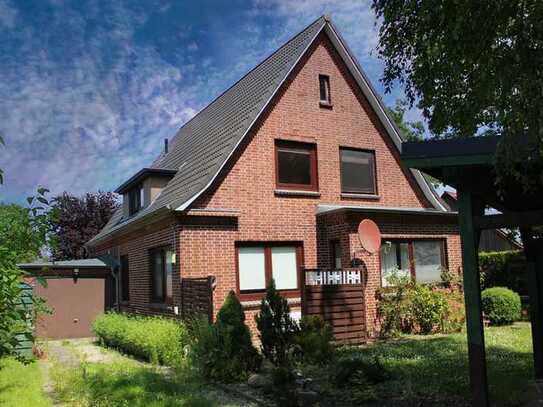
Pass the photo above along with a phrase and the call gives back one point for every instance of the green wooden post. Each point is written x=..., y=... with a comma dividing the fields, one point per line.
x=472, y=298
x=534, y=255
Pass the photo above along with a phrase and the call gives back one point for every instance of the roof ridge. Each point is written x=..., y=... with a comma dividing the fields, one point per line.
x=291, y=39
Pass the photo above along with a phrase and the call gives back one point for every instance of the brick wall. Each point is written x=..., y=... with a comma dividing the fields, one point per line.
x=136, y=246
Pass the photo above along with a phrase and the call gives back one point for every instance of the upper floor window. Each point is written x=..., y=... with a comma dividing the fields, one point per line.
x=162, y=261
x=358, y=171
x=135, y=200
x=324, y=87
x=296, y=165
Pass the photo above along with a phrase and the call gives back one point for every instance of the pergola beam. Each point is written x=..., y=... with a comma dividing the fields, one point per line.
x=509, y=220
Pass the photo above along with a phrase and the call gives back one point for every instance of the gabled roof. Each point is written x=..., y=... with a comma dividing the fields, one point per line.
x=204, y=144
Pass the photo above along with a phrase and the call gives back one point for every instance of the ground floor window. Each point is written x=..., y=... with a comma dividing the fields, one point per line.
x=162, y=261
x=424, y=260
x=335, y=254
x=125, y=288
x=258, y=263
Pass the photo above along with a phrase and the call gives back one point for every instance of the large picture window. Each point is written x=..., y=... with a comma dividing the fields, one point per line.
x=125, y=286
x=259, y=263
x=296, y=165
x=162, y=262
x=357, y=171
x=424, y=260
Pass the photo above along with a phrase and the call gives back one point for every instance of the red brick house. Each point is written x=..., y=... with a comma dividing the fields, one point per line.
x=272, y=179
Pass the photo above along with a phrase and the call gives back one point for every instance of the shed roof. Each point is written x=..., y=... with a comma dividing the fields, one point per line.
x=204, y=144
x=82, y=263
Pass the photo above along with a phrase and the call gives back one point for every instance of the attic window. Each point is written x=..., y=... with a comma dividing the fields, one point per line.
x=135, y=200
x=324, y=87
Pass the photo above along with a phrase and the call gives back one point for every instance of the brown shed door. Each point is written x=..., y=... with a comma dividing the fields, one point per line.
x=75, y=304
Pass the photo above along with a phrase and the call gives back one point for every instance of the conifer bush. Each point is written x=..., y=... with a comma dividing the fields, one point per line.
x=276, y=326
x=223, y=351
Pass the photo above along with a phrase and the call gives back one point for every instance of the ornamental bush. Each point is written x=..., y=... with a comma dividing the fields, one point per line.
x=155, y=339
x=223, y=351
x=315, y=340
x=501, y=305
x=428, y=308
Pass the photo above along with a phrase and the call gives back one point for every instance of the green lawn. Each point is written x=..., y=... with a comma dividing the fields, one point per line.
x=124, y=383
x=21, y=384
x=435, y=367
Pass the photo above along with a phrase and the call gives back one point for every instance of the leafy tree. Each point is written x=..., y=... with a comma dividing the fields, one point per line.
x=474, y=67
x=410, y=131
x=16, y=225
x=75, y=220
x=17, y=234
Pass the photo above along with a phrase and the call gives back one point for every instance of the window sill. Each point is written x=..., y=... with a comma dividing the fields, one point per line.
x=326, y=105
x=297, y=192
x=360, y=196
x=160, y=306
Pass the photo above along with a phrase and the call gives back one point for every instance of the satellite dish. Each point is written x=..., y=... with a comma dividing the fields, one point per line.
x=369, y=236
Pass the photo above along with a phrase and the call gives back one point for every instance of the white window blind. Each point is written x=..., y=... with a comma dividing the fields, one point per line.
x=427, y=256
x=252, y=274
x=284, y=267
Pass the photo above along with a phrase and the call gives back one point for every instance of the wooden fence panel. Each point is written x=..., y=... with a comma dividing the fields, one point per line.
x=197, y=297
x=338, y=298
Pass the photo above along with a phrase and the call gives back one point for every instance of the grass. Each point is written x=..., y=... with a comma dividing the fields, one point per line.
x=21, y=384
x=435, y=367
x=124, y=383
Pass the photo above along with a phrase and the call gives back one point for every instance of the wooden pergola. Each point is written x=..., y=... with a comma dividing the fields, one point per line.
x=468, y=165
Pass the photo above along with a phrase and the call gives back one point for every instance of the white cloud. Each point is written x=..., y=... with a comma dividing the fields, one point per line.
x=8, y=15
x=84, y=124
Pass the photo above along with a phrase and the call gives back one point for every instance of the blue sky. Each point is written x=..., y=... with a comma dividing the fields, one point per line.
x=89, y=89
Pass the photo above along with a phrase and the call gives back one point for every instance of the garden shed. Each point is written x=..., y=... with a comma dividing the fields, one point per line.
x=76, y=291
x=468, y=165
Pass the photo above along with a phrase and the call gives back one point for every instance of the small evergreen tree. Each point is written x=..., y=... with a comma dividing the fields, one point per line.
x=277, y=329
x=232, y=318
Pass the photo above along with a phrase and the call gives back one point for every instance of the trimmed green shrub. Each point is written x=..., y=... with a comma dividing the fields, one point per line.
x=223, y=351
x=503, y=269
x=501, y=305
x=156, y=339
x=277, y=329
x=315, y=340
x=428, y=308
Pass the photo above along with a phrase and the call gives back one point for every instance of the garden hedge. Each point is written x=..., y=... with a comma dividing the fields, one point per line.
x=501, y=305
x=503, y=269
x=156, y=339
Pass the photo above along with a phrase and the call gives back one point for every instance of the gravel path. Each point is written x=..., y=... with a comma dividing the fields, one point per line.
x=70, y=353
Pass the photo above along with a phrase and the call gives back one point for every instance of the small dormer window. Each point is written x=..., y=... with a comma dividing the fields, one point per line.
x=324, y=86
x=135, y=200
